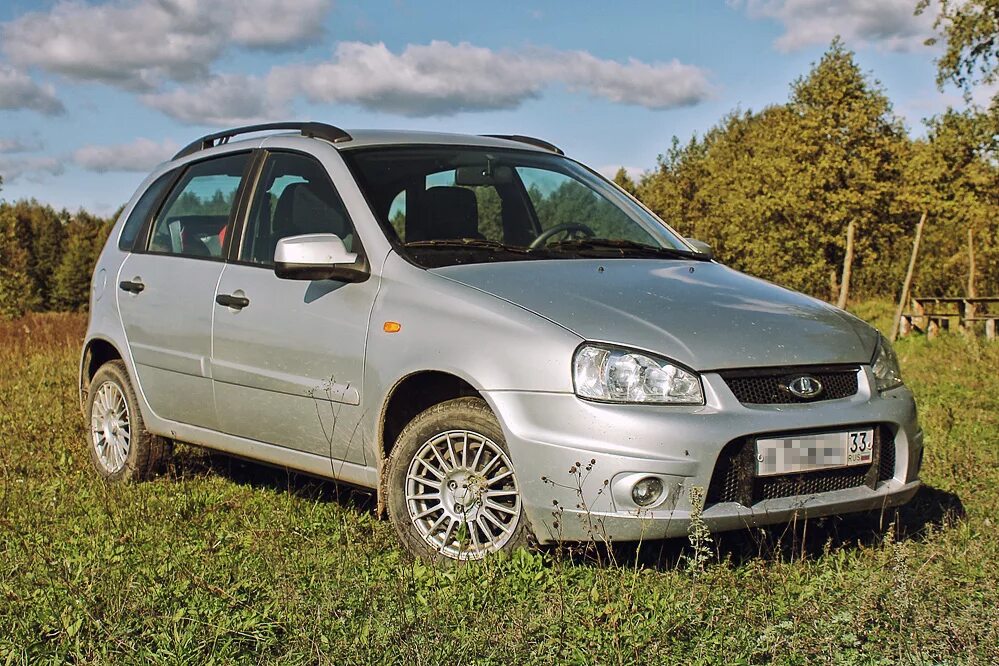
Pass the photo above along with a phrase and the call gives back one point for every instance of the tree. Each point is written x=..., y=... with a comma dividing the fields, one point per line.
x=17, y=289
x=625, y=181
x=44, y=242
x=853, y=142
x=85, y=237
x=774, y=192
x=952, y=175
x=970, y=29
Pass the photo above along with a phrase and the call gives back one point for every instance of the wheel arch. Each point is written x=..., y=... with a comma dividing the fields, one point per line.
x=408, y=397
x=96, y=352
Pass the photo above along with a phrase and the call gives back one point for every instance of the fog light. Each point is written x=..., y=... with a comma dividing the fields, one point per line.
x=647, y=491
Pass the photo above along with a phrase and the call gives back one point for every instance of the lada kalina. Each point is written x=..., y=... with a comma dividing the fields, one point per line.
x=499, y=341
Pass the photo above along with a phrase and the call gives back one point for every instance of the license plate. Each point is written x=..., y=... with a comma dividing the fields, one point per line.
x=787, y=455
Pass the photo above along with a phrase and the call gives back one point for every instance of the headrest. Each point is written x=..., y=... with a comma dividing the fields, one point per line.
x=301, y=211
x=284, y=209
x=450, y=212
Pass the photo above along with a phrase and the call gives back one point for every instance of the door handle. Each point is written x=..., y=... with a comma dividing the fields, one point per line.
x=131, y=286
x=230, y=301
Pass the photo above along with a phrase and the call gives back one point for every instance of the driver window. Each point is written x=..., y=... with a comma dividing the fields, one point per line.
x=294, y=197
x=559, y=199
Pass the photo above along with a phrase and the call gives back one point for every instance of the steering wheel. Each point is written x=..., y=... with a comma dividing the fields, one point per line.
x=570, y=227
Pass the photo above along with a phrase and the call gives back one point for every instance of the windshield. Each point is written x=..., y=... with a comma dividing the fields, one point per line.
x=446, y=205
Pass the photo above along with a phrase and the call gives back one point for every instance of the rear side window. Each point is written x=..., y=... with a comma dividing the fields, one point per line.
x=142, y=210
x=194, y=221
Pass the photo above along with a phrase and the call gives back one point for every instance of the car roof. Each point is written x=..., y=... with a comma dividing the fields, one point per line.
x=237, y=139
x=375, y=137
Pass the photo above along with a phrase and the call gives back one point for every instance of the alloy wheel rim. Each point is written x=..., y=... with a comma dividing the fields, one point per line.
x=110, y=427
x=462, y=495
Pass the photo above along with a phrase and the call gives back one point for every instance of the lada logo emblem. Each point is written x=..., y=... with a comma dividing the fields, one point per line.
x=805, y=387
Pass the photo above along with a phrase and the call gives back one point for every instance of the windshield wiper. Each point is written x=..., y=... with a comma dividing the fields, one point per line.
x=477, y=243
x=604, y=247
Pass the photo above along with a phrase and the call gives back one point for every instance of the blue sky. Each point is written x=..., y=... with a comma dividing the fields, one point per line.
x=93, y=94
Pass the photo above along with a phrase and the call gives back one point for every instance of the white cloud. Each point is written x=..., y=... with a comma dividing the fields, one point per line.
x=889, y=25
x=654, y=86
x=634, y=172
x=137, y=44
x=224, y=100
x=441, y=78
x=32, y=168
x=272, y=24
x=437, y=79
x=140, y=155
x=19, y=91
x=20, y=145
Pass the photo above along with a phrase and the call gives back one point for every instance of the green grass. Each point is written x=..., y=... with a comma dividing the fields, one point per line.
x=220, y=561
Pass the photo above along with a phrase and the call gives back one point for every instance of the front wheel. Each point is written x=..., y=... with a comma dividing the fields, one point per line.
x=452, y=492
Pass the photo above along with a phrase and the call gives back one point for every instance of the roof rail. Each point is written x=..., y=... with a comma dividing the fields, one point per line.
x=540, y=143
x=317, y=130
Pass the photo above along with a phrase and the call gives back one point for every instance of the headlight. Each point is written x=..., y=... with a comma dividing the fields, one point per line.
x=887, y=374
x=622, y=375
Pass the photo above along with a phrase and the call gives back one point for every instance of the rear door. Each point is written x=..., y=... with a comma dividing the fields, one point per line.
x=166, y=291
x=288, y=355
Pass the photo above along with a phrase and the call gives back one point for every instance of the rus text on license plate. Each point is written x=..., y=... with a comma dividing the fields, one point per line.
x=802, y=453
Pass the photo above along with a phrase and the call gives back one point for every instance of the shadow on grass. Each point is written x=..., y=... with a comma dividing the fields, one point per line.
x=192, y=462
x=930, y=509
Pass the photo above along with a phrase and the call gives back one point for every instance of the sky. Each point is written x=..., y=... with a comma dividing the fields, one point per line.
x=95, y=93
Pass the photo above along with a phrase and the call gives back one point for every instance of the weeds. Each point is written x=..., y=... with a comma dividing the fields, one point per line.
x=697, y=533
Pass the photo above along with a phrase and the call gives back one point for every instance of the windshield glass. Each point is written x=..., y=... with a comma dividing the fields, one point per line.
x=446, y=205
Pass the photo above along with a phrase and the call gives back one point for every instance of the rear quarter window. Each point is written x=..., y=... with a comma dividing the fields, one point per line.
x=142, y=210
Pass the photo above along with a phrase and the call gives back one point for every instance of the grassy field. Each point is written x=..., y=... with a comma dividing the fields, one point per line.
x=220, y=561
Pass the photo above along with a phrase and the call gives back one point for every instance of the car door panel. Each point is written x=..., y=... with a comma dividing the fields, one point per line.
x=287, y=367
x=169, y=335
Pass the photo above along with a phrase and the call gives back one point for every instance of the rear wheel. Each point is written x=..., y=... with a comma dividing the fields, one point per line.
x=452, y=490
x=120, y=447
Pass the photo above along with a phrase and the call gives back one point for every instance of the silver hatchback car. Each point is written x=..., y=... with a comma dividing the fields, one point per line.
x=502, y=343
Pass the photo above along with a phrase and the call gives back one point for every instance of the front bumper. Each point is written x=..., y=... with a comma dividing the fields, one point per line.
x=576, y=460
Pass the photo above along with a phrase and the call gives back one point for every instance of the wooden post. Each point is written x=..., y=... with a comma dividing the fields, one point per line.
x=990, y=329
x=970, y=310
x=907, y=283
x=844, y=285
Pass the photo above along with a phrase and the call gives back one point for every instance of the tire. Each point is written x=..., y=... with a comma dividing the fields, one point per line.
x=458, y=445
x=120, y=448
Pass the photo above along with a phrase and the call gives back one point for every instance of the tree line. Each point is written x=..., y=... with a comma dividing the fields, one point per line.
x=828, y=188
x=47, y=257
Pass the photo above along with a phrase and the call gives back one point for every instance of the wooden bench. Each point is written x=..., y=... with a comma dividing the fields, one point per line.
x=933, y=314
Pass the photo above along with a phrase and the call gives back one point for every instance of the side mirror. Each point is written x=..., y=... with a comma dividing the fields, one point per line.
x=317, y=257
x=702, y=248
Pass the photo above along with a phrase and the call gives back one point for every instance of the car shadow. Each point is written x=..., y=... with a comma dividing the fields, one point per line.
x=930, y=509
x=190, y=462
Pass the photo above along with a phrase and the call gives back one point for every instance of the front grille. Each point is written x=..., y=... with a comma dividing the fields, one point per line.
x=822, y=481
x=735, y=480
x=886, y=465
x=764, y=386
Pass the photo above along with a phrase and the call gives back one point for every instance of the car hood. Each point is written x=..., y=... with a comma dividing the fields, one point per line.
x=702, y=314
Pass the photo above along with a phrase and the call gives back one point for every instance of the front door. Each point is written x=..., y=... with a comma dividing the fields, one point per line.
x=288, y=354
x=166, y=291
